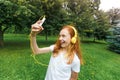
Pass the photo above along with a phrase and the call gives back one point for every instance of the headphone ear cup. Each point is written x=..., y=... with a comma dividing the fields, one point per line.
x=73, y=40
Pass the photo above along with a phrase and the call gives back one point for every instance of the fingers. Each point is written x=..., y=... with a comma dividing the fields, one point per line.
x=39, y=21
x=36, y=27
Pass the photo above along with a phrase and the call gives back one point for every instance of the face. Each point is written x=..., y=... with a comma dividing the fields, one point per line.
x=64, y=38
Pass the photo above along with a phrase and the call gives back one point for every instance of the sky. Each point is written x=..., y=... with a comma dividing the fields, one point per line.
x=109, y=4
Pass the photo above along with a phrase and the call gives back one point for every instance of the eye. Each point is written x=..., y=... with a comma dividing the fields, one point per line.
x=63, y=35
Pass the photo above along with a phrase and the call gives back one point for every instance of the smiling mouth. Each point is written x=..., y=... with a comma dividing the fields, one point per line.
x=62, y=41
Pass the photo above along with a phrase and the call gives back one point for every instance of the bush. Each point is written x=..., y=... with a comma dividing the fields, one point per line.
x=114, y=39
x=100, y=34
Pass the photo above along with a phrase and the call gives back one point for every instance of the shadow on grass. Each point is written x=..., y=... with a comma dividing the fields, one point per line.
x=26, y=43
x=23, y=41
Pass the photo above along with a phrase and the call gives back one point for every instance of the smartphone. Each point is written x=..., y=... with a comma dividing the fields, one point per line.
x=42, y=21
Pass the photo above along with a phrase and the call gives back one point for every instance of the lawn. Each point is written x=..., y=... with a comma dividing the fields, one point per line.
x=16, y=62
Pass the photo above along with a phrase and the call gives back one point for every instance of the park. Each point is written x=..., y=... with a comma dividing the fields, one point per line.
x=100, y=44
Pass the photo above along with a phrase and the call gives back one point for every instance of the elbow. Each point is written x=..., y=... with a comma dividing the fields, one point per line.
x=35, y=51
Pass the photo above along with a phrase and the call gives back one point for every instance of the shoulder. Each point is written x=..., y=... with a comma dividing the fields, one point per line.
x=76, y=59
x=52, y=47
x=76, y=64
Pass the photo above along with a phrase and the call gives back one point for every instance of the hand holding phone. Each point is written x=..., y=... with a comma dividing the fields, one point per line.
x=37, y=27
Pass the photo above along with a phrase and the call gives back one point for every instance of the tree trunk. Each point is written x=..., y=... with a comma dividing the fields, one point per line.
x=2, y=35
x=1, y=39
x=46, y=35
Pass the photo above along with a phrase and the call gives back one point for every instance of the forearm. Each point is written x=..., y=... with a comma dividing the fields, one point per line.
x=35, y=29
x=74, y=76
x=33, y=43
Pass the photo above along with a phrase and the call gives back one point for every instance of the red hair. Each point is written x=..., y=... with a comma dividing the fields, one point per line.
x=72, y=49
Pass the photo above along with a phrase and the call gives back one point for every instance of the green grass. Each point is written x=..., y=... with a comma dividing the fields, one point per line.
x=17, y=64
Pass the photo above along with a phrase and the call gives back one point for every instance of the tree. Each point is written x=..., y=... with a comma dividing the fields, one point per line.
x=54, y=16
x=113, y=39
x=22, y=13
x=12, y=14
x=6, y=13
x=101, y=26
x=81, y=13
x=114, y=14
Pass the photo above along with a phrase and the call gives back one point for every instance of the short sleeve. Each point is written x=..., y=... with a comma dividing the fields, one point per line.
x=76, y=65
x=51, y=48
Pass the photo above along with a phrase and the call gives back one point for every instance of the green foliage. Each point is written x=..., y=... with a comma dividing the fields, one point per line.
x=82, y=14
x=14, y=14
x=7, y=11
x=22, y=13
x=58, y=13
x=100, y=34
x=114, y=39
x=101, y=25
x=54, y=14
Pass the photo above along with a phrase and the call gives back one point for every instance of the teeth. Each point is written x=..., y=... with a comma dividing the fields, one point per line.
x=62, y=41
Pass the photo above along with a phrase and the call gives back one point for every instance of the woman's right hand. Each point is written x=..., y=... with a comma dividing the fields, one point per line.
x=35, y=28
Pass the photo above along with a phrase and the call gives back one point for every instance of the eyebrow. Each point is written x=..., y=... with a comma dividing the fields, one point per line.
x=61, y=34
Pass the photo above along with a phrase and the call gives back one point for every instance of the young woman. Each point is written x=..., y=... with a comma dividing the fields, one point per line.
x=66, y=55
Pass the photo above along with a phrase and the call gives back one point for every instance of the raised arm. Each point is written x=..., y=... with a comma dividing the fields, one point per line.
x=35, y=29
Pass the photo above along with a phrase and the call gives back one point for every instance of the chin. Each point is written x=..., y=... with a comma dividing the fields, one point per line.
x=63, y=45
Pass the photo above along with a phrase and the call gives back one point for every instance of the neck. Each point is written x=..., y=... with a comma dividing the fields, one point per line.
x=65, y=48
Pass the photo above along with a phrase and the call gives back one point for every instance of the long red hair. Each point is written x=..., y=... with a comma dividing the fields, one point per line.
x=73, y=48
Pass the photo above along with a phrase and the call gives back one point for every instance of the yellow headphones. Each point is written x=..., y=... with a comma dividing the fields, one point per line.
x=74, y=38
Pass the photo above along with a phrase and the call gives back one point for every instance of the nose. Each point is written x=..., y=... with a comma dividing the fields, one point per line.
x=60, y=38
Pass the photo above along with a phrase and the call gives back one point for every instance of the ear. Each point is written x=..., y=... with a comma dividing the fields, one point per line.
x=73, y=40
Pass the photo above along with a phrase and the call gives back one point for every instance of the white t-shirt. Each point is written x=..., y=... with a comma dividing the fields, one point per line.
x=58, y=68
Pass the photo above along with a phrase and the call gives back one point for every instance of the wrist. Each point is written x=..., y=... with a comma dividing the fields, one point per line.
x=32, y=34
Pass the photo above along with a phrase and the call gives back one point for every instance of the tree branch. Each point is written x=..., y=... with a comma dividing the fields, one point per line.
x=5, y=29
